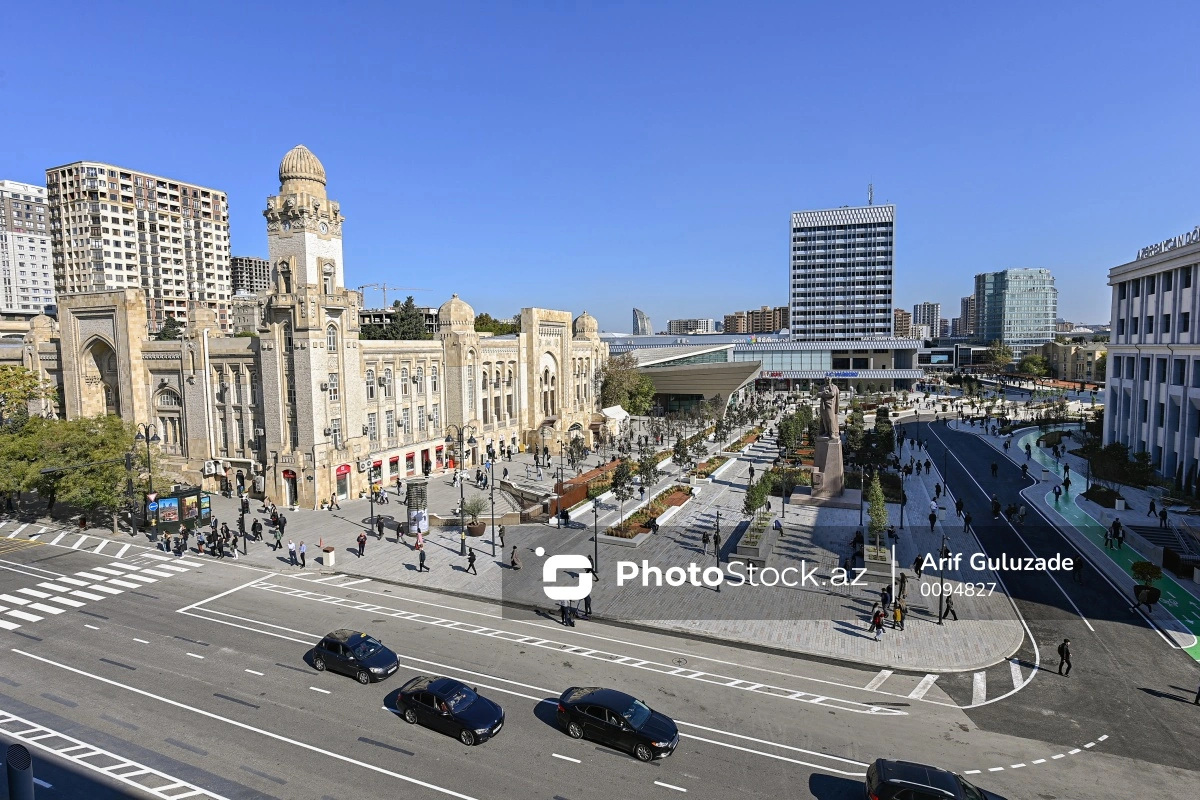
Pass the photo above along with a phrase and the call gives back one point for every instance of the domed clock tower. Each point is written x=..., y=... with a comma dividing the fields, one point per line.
x=309, y=345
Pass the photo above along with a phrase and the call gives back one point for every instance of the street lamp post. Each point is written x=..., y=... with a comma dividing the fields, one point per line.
x=942, y=579
x=492, y=493
x=149, y=434
x=596, y=536
x=461, y=431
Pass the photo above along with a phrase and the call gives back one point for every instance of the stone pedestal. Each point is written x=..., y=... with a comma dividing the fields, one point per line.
x=828, y=459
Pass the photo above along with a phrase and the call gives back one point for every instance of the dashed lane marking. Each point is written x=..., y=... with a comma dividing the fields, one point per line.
x=567, y=758
x=322, y=691
x=669, y=786
x=255, y=672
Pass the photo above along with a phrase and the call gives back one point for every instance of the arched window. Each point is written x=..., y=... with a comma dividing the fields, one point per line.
x=419, y=380
x=167, y=398
x=387, y=382
x=370, y=384
x=331, y=338
x=287, y=337
x=484, y=385
x=404, y=380
x=433, y=378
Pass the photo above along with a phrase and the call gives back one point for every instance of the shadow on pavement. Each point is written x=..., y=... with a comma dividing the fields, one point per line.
x=831, y=787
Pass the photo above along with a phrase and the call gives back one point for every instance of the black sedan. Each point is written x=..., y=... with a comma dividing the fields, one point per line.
x=450, y=706
x=355, y=654
x=904, y=780
x=619, y=720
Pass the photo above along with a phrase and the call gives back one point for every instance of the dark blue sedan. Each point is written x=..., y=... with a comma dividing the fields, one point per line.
x=451, y=707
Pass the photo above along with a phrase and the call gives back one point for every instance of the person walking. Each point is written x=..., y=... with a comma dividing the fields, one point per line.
x=333, y=502
x=958, y=507
x=587, y=606
x=291, y=552
x=937, y=491
x=564, y=613
x=278, y=534
x=995, y=469
x=199, y=542
x=514, y=560
x=1143, y=599
x=877, y=624
x=501, y=537
x=704, y=540
x=717, y=546
x=1108, y=535
x=932, y=520
x=1064, y=658
x=917, y=565
x=1153, y=512
x=898, y=616
x=282, y=524
x=421, y=562
x=362, y=544
x=1162, y=517
x=471, y=562
x=1057, y=493
x=902, y=591
x=950, y=608
x=966, y=521
x=379, y=528
x=303, y=551
x=256, y=528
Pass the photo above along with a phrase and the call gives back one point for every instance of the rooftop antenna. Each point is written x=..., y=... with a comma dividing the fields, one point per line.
x=870, y=194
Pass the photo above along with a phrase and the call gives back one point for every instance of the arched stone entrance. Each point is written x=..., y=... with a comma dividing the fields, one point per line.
x=100, y=386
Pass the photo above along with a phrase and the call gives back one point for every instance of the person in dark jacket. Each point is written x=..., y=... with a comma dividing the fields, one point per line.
x=1064, y=658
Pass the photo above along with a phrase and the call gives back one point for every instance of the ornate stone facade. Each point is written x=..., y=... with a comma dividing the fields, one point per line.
x=305, y=409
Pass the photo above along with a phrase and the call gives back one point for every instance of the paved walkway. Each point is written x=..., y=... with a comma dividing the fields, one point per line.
x=1084, y=522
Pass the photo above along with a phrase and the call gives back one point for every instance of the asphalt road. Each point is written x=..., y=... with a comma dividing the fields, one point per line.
x=1125, y=681
x=200, y=673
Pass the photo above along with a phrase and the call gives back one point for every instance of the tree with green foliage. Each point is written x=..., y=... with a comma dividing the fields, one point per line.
x=1112, y=465
x=19, y=387
x=1146, y=572
x=877, y=512
x=647, y=466
x=486, y=323
x=621, y=384
x=1034, y=364
x=406, y=323
x=622, y=483
x=999, y=354
x=1100, y=368
x=170, y=331
x=856, y=437
x=681, y=453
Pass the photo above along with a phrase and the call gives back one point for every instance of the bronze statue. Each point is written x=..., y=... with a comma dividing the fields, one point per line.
x=829, y=410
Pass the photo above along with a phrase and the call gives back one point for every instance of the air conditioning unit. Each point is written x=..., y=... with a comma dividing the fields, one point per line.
x=211, y=467
x=362, y=466
x=324, y=386
x=328, y=431
x=432, y=418
x=259, y=433
x=382, y=381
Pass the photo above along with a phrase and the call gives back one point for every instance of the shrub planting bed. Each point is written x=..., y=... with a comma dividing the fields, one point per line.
x=639, y=522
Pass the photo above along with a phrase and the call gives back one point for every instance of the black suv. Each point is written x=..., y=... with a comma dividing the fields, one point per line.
x=354, y=654
x=904, y=780
x=617, y=719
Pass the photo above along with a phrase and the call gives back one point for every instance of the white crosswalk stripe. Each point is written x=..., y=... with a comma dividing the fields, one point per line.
x=978, y=688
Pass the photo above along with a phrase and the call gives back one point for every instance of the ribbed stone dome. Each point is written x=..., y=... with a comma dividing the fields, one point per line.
x=457, y=314
x=301, y=164
x=585, y=324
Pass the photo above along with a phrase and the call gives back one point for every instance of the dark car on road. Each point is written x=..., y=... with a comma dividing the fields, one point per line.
x=904, y=780
x=618, y=720
x=450, y=706
x=355, y=654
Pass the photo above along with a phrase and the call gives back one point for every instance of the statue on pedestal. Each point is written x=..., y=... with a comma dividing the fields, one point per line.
x=828, y=420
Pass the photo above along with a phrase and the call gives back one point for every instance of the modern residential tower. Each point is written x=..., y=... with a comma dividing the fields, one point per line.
x=25, y=265
x=249, y=274
x=1016, y=306
x=115, y=228
x=840, y=281
x=927, y=314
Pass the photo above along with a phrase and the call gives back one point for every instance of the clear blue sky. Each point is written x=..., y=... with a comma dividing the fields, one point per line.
x=604, y=155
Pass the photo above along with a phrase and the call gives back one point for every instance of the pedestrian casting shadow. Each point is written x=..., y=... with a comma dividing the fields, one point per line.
x=831, y=787
x=1165, y=695
x=850, y=629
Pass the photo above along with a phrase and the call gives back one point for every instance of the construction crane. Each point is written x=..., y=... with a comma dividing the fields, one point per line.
x=383, y=287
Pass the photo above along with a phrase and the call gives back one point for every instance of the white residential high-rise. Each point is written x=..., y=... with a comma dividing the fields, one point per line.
x=689, y=327
x=840, y=281
x=116, y=228
x=927, y=314
x=25, y=264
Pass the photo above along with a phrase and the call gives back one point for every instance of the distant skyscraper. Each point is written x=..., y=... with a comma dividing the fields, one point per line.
x=249, y=275
x=25, y=249
x=641, y=323
x=1016, y=306
x=943, y=327
x=840, y=281
x=967, y=316
x=688, y=327
x=956, y=327
x=902, y=327
x=116, y=228
x=927, y=314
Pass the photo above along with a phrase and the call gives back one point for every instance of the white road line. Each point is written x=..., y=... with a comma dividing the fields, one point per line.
x=972, y=771
x=1073, y=752
x=923, y=687
x=995, y=769
x=567, y=758
x=100, y=546
x=16, y=601
x=124, y=566
x=1016, y=766
x=45, y=608
x=66, y=601
x=82, y=539
x=72, y=581
x=171, y=567
x=34, y=593
x=329, y=578
x=1038, y=761
x=24, y=616
x=1102, y=738
x=195, y=655
x=878, y=680
x=669, y=786
x=140, y=578
x=93, y=627
x=351, y=583
x=254, y=672
x=121, y=552
x=20, y=528
x=106, y=589
x=8, y=626
x=978, y=688
x=219, y=596
x=90, y=576
x=1017, y=678
x=43, y=784
x=143, y=641
x=87, y=595
x=107, y=571
x=157, y=574
x=57, y=538
x=54, y=587
x=322, y=691
x=124, y=584
x=1060, y=755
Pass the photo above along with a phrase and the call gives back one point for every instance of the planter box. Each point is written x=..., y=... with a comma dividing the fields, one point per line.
x=757, y=554
x=476, y=528
x=619, y=541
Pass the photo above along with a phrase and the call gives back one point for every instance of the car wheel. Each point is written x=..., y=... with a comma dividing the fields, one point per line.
x=643, y=753
x=319, y=664
x=410, y=716
x=467, y=737
x=575, y=730
x=364, y=677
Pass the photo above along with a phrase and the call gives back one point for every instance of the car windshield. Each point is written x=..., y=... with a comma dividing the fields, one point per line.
x=460, y=699
x=969, y=791
x=366, y=647
x=637, y=714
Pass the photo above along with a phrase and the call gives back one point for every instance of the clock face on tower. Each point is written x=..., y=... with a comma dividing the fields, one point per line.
x=324, y=228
